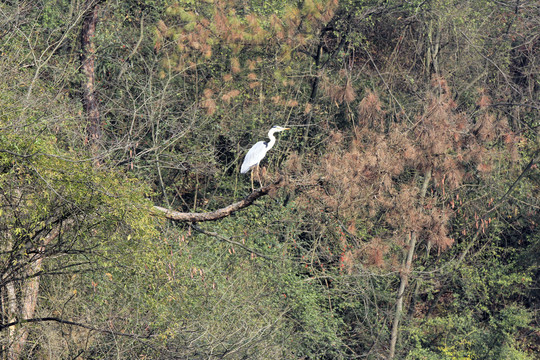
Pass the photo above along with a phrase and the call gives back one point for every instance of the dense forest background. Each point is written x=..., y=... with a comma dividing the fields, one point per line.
x=401, y=210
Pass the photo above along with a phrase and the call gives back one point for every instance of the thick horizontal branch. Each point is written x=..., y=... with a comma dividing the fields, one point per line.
x=72, y=323
x=220, y=213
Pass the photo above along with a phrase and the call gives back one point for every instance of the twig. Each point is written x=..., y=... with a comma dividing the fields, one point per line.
x=216, y=235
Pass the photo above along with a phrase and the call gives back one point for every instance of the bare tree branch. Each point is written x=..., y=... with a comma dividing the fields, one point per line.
x=220, y=213
x=73, y=323
x=216, y=235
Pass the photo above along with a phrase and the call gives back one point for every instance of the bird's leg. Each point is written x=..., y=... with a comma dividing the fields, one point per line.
x=252, y=187
x=259, y=176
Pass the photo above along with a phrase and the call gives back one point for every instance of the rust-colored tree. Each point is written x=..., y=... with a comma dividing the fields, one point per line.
x=400, y=178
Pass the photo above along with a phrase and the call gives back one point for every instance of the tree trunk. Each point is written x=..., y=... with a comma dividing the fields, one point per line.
x=405, y=275
x=12, y=316
x=88, y=54
x=25, y=307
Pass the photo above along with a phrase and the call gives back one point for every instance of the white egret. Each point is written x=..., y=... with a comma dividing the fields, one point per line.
x=258, y=152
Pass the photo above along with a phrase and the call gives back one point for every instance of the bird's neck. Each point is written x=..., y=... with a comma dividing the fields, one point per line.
x=272, y=140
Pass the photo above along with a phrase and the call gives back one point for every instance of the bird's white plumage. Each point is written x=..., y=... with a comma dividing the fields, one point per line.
x=254, y=156
x=259, y=150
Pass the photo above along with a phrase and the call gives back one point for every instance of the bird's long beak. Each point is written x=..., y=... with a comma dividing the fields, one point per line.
x=286, y=128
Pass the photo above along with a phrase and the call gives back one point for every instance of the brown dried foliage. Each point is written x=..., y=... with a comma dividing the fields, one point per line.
x=293, y=164
x=228, y=96
x=338, y=94
x=374, y=252
x=370, y=113
x=208, y=102
x=235, y=66
x=376, y=176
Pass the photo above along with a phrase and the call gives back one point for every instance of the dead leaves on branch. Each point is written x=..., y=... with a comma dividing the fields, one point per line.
x=223, y=36
x=375, y=176
x=226, y=24
x=338, y=93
